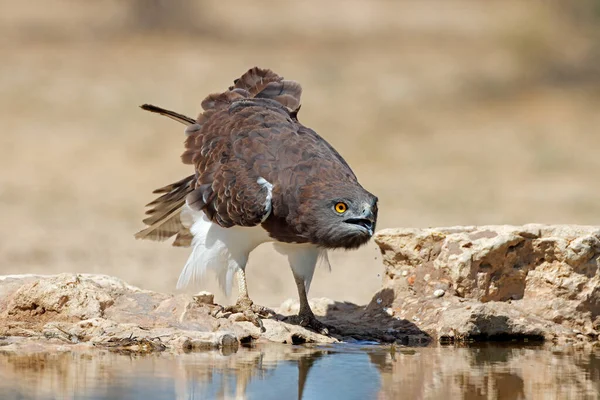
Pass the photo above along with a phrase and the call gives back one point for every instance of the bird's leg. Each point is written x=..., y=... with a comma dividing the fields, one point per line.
x=244, y=305
x=306, y=317
x=244, y=300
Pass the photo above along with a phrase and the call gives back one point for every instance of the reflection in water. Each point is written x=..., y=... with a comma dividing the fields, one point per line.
x=490, y=372
x=323, y=372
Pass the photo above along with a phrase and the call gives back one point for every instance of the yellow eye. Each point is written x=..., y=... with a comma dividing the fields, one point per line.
x=341, y=208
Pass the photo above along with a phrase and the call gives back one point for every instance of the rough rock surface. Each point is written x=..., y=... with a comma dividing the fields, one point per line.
x=103, y=311
x=501, y=282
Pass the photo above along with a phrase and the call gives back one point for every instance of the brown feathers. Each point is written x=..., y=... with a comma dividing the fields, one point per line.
x=255, y=80
x=285, y=92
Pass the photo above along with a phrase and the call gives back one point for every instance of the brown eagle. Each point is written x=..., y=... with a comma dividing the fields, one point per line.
x=259, y=176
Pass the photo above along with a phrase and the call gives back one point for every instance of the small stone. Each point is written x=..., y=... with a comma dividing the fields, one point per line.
x=228, y=340
x=204, y=298
x=427, y=277
x=404, y=273
x=389, y=311
x=439, y=293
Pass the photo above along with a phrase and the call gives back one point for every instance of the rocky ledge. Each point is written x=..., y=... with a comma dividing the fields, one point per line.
x=82, y=310
x=493, y=282
x=529, y=282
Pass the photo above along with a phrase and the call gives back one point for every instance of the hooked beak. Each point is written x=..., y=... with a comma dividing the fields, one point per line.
x=365, y=221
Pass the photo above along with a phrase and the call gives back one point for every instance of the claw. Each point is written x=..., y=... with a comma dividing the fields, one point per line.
x=310, y=322
x=219, y=309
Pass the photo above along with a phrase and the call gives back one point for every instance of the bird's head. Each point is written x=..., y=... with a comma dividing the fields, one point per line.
x=338, y=215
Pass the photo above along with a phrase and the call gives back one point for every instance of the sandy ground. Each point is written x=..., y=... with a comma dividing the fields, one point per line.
x=450, y=112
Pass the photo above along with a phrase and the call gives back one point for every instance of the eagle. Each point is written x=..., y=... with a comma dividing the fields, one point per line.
x=259, y=176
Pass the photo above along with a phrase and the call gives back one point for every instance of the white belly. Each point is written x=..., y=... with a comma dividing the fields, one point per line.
x=303, y=259
x=226, y=250
x=223, y=250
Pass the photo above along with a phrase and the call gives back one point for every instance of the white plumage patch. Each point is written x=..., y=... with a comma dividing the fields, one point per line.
x=223, y=250
x=268, y=205
x=303, y=259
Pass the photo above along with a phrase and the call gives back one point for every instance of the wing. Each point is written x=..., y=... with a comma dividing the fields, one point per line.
x=233, y=165
x=227, y=145
x=228, y=184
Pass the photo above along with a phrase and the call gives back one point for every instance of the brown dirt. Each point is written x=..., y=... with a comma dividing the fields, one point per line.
x=477, y=113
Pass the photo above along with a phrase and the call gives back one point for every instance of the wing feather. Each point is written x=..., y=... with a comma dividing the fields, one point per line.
x=164, y=219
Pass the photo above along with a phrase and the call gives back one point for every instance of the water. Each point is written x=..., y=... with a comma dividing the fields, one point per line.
x=346, y=371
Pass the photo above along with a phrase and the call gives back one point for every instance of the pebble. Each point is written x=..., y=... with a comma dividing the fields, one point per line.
x=389, y=311
x=404, y=273
x=439, y=292
x=204, y=298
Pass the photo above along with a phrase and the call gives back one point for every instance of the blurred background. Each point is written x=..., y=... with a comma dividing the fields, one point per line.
x=451, y=112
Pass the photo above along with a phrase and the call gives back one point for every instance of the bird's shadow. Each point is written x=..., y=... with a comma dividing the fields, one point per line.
x=370, y=323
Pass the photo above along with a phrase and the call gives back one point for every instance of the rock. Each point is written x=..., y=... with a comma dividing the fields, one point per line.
x=532, y=281
x=64, y=298
x=102, y=311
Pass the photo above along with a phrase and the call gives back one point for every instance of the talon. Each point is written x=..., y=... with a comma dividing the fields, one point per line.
x=251, y=316
x=310, y=322
x=215, y=313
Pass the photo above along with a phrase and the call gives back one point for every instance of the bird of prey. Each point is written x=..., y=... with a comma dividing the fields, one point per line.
x=259, y=176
